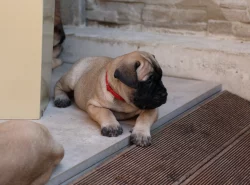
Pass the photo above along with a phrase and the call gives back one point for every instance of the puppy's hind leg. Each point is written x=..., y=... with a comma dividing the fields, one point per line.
x=63, y=86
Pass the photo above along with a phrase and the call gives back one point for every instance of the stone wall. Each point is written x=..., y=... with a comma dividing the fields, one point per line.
x=223, y=17
x=226, y=61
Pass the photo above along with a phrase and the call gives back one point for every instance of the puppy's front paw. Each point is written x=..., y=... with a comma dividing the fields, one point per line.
x=112, y=131
x=62, y=103
x=140, y=138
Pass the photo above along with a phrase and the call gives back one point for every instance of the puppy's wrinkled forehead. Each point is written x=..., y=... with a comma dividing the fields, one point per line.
x=137, y=67
x=148, y=66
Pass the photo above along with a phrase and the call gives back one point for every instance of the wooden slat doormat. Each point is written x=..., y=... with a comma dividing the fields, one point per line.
x=185, y=147
x=231, y=166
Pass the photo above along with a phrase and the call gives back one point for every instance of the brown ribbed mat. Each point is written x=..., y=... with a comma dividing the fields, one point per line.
x=231, y=166
x=181, y=148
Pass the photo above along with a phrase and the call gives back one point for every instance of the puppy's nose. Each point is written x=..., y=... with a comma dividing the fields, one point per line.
x=163, y=94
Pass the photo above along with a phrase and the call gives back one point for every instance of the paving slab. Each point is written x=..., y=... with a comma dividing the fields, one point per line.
x=84, y=146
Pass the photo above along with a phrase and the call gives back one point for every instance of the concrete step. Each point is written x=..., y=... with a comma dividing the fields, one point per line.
x=193, y=57
x=81, y=138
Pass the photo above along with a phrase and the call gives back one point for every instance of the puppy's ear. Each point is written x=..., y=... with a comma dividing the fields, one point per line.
x=127, y=74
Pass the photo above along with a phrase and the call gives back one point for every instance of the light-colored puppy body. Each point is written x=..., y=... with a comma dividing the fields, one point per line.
x=28, y=153
x=87, y=78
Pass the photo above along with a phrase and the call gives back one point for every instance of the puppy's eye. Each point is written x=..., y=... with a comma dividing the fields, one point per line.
x=137, y=64
x=149, y=80
x=150, y=77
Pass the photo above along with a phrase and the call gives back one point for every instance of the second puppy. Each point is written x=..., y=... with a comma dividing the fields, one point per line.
x=59, y=36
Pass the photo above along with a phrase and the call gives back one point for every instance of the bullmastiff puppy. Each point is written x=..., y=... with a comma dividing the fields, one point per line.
x=28, y=153
x=112, y=89
x=59, y=36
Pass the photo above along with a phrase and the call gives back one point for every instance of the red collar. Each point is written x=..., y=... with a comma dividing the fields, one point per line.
x=109, y=88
